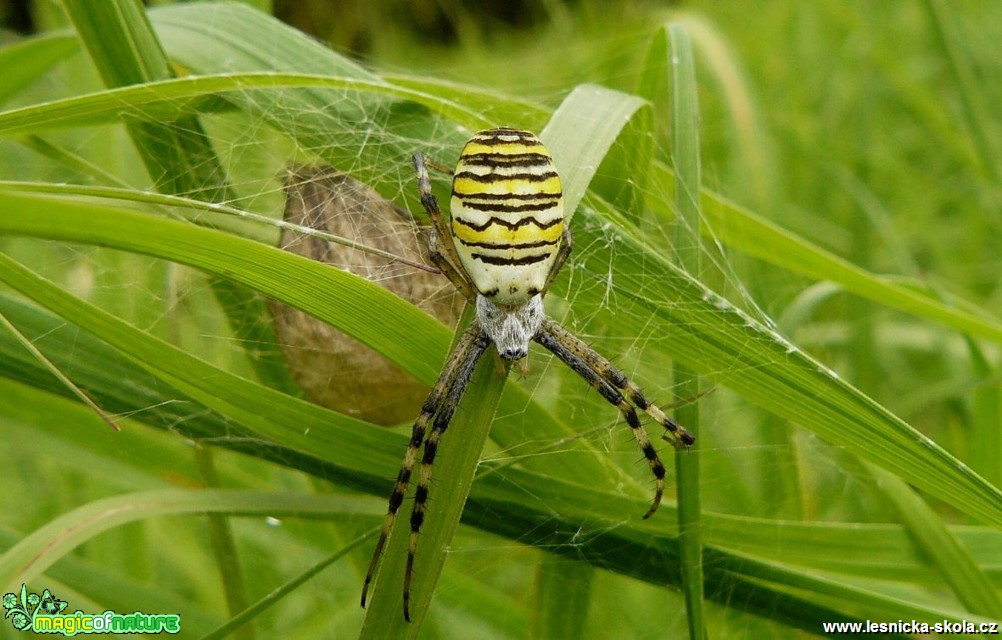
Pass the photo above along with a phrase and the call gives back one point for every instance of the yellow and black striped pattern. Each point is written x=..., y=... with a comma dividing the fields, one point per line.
x=507, y=214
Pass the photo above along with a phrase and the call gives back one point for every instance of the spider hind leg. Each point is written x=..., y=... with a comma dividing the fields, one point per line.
x=675, y=433
x=609, y=382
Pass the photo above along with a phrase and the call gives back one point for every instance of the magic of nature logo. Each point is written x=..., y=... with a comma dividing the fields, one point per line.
x=44, y=614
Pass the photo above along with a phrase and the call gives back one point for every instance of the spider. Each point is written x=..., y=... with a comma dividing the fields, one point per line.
x=506, y=244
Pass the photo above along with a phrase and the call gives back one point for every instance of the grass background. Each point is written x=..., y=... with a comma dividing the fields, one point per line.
x=850, y=202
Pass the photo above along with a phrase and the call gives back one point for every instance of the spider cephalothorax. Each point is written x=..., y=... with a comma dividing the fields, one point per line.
x=506, y=243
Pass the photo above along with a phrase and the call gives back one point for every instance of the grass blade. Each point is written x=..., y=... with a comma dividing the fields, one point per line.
x=977, y=120
x=36, y=552
x=967, y=580
x=55, y=371
x=276, y=595
x=685, y=154
x=27, y=61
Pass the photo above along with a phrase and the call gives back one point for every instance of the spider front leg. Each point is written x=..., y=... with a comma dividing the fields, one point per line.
x=608, y=381
x=447, y=258
x=439, y=406
x=567, y=242
x=478, y=341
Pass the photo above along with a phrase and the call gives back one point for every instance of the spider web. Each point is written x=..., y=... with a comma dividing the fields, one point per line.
x=750, y=459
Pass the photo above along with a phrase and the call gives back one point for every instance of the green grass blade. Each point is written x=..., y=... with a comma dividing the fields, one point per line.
x=686, y=156
x=123, y=47
x=277, y=273
x=961, y=572
x=986, y=437
x=581, y=133
x=563, y=593
x=120, y=41
x=263, y=411
x=174, y=98
x=276, y=595
x=719, y=340
x=36, y=552
x=748, y=232
x=832, y=600
x=978, y=121
x=27, y=61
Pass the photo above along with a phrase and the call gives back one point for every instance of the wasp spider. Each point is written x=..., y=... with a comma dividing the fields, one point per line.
x=506, y=243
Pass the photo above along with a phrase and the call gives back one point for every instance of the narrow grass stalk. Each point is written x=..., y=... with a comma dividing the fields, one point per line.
x=967, y=85
x=986, y=437
x=54, y=370
x=685, y=153
x=564, y=589
x=224, y=547
x=233, y=625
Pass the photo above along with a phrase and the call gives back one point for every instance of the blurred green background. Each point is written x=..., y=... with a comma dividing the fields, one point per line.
x=867, y=133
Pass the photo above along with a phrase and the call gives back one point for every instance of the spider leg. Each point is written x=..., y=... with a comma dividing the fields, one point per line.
x=446, y=258
x=555, y=338
x=432, y=405
x=562, y=254
x=475, y=342
x=675, y=433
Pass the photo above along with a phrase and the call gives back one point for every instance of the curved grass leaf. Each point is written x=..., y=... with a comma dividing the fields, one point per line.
x=31, y=556
x=172, y=99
